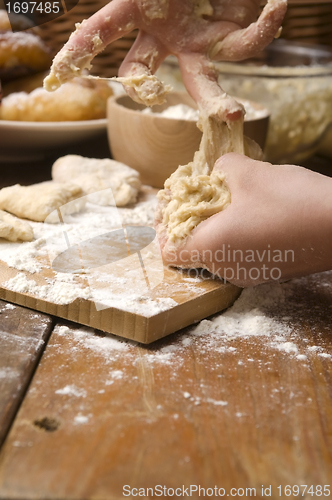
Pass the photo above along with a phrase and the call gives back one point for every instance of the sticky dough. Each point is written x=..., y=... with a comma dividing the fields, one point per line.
x=194, y=192
x=13, y=229
x=150, y=91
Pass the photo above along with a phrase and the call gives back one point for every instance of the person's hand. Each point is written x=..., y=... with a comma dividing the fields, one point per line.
x=278, y=225
x=197, y=32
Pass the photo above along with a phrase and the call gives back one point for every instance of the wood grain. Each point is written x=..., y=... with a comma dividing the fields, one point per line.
x=23, y=334
x=204, y=410
x=192, y=301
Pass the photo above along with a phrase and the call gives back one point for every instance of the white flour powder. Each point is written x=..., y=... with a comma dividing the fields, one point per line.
x=119, y=287
x=184, y=112
x=268, y=322
x=271, y=314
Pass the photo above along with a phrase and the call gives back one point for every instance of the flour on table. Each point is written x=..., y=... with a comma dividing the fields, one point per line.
x=37, y=201
x=72, y=390
x=81, y=419
x=93, y=175
x=14, y=229
x=263, y=324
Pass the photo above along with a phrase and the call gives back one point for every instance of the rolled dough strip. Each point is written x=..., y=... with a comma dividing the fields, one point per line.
x=37, y=201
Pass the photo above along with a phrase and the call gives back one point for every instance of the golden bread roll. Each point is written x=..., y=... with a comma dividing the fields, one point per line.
x=23, y=49
x=80, y=99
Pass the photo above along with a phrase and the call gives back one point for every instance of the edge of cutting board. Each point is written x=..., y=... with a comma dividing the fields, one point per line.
x=144, y=329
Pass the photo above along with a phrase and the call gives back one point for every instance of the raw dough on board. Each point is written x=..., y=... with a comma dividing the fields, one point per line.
x=13, y=229
x=94, y=175
x=37, y=201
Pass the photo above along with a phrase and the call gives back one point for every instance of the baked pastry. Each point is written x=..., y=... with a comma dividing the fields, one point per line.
x=21, y=52
x=80, y=99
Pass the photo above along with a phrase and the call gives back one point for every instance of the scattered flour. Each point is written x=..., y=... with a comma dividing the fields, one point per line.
x=217, y=403
x=184, y=112
x=10, y=306
x=72, y=390
x=106, y=286
x=270, y=311
x=58, y=291
x=81, y=419
x=8, y=373
x=179, y=111
x=268, y=324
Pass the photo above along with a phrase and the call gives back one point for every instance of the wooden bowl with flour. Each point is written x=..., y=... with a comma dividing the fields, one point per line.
x=156, y=145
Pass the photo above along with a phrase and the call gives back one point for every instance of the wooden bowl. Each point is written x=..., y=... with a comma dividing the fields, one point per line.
x=155, y=145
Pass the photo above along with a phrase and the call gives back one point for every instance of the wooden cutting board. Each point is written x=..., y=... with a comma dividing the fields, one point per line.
x=193, y=301
x=114, y=281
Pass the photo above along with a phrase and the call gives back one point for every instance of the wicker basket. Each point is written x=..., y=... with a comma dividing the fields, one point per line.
x=56, y=33
x=309, y=22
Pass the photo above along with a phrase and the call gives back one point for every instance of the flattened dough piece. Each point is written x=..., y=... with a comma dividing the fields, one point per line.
x=194, y=192
x=13, y=229
x=94, y=175
x=37, y=201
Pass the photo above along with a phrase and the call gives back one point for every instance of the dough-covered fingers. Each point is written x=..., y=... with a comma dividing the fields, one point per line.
x=201, y=80
x=245, y=43
x=138, y=68
x=113, y=21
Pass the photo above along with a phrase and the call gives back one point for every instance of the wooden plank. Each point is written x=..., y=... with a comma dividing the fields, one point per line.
x=192, y=300
x=196, y=408
x=23, y=334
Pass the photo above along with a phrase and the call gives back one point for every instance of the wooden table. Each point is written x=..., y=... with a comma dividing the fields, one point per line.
x=85, y=416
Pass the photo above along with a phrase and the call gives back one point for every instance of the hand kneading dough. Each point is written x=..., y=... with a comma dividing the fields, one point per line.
x=193, y=193
x=13, y=229
x=37, y=201
x=94, y=175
